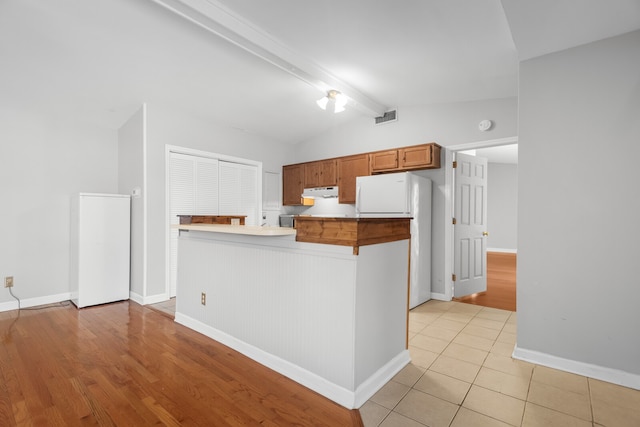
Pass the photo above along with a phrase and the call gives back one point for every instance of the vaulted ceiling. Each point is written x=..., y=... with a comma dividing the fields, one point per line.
x=260, y=65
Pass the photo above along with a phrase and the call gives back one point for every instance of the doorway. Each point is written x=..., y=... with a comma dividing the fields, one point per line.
x=501, y=283
x=501, y=248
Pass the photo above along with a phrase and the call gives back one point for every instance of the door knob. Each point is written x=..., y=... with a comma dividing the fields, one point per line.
x=485, y=233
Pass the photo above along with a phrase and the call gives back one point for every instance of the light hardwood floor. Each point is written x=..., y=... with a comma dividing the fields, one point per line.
x=501, y=283
x=122, y=364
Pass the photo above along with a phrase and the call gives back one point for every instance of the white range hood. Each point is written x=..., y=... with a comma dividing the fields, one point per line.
x=324, y=192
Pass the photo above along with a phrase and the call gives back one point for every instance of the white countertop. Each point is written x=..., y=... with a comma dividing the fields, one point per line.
x=238, y=229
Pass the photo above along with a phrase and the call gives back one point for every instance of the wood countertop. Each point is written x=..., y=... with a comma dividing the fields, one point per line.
x=354, y=232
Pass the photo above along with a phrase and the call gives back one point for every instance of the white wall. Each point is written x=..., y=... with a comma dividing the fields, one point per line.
x=131, y=147
x=502, y=207
x=578, y=228
x=445, y=124
x=170, y=127
x=43, y=161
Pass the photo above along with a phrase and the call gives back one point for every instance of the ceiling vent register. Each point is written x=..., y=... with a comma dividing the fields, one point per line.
x=389, y=116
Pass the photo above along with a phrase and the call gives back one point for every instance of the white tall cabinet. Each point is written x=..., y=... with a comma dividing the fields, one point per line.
x=100, y=248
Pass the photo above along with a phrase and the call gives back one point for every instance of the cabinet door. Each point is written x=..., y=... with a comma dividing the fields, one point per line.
x=348, y=169
x=311, y=172
x=327, y=176
x=384, y=160
x=320, y=174
x=292, y=184
x=415, y=157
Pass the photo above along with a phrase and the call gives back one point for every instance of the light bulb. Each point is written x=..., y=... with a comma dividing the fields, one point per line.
x=341, y=101
x=322, y=102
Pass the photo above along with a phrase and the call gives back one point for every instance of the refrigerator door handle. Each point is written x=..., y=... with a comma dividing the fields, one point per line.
x=358, y=200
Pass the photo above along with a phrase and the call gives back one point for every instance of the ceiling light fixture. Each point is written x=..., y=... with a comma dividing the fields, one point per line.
x=339, y=100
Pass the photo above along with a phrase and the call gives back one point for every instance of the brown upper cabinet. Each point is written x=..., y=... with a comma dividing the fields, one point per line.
x=292, y=184
x=425, y=156
x=344, y=170
x=320, y=174
x=348, y=169
x=384, y=160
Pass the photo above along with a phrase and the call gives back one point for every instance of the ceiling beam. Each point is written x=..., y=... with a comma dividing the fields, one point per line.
x=219, y=20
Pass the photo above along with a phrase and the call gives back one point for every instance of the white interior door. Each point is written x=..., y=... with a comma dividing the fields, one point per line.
x=470, y=232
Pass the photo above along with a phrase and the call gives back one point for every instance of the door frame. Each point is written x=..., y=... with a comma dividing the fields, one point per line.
x=450, y=200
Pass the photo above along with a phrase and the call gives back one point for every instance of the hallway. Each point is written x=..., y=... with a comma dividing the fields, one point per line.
x=501, y=283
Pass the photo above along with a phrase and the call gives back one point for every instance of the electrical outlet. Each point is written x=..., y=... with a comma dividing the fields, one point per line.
x=8, y=282
x=203, y=299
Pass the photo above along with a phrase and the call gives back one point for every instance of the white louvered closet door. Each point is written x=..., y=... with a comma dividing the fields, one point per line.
x=206, y=184
x=239, y=191
x=193, y=189
x=181, y=202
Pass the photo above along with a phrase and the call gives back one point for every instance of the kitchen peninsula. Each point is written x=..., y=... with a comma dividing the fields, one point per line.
x=324, y=304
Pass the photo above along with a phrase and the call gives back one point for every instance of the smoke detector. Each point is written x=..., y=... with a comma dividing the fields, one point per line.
x=485, y=125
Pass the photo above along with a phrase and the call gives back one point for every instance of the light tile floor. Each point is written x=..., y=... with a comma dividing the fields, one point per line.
x=462, y=375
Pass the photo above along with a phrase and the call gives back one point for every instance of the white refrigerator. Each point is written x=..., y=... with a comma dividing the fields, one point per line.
x=403, y=194
x=100, y=247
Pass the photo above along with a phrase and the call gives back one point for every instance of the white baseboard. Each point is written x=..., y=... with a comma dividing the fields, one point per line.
x=342, y=396
x=136, y=297
x=52, y=299
x=375, y=382
x=609, y=375
x=153, y=299
x=439, y=297
x=33, y=302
